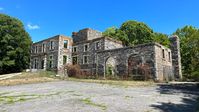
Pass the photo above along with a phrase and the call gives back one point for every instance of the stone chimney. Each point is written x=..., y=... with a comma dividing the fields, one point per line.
x=176, y=58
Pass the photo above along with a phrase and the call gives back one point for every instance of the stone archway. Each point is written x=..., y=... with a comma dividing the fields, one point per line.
x=110, y=67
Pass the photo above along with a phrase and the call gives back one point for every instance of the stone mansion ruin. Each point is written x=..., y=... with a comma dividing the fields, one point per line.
x=104, y=56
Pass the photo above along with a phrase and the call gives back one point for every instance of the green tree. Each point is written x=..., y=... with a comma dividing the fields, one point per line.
x=115, y=33
x=161, y=39
x=110, y=32
x=137, y=32
x=14, y=45
x=131, y=33
x=122, y=36
x=189, y=43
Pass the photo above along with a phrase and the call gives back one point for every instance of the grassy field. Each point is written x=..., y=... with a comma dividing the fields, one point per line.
x=46, y=76
x=27, y=78
x=115, y=82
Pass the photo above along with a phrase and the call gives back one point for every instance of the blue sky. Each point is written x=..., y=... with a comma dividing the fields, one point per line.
x=46, y=18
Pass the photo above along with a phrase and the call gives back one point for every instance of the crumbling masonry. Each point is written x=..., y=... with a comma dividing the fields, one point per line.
x=105, y=56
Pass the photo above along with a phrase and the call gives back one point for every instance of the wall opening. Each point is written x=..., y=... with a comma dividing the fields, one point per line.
x=110, y=68
x=66, y=44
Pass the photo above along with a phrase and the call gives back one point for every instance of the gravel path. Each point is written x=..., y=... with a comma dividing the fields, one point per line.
x=69, y=96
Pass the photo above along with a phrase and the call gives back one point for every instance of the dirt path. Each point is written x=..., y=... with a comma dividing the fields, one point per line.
x=2, y=77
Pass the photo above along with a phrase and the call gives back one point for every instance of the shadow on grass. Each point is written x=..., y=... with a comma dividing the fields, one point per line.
x=189, y=103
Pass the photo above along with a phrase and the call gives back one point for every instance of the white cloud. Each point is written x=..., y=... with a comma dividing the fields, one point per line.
x=32, y=27
x=1, y=8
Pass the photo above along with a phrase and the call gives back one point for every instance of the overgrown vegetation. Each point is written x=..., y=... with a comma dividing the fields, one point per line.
x=189, y=43
x=75, y=71
x=14, y=45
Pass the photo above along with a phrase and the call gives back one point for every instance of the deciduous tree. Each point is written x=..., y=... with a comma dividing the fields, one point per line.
x=161, y=39
x=189, y=43
x=137, y=32
x=14, y=45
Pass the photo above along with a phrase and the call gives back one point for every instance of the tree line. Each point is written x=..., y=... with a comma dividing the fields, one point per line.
x=15, y=43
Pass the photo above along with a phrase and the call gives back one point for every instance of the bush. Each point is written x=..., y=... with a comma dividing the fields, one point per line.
x=195, y=75
x=75, y=71
x=72, y=70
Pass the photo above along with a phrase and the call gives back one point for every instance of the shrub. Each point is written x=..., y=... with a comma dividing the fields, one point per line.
x=195, y=75
x=75, y=71
x=72, y=70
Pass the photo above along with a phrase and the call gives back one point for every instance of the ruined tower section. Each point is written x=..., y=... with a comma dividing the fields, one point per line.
x=85, y=35
x=176, y=58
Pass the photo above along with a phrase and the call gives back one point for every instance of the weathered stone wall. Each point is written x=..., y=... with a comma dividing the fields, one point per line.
x=163, y=64
x=86, y=34
x=91, y=53
x=112, y=44
x=104, y=43
x=93, y=34
x=146, y=52
x=176, y=57
x=55, y=39
x=48, y=52
x=122, y=55
x=64, y=52
x=57, y=53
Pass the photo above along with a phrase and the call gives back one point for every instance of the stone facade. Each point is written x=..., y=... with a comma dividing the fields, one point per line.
x=49, y=54
x=88, y=48
x=146, y=54
x=163, y=63
x=104, y=56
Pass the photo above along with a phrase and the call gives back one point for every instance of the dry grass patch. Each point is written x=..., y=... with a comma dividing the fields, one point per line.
x=116, y=82
x=27, y=78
